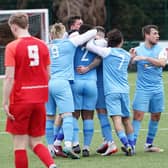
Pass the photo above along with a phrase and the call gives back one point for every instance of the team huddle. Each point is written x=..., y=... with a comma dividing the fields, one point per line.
x=81, y=71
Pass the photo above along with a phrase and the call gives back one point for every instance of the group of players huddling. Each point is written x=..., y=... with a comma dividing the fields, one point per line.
x=79, y=71
x=88, y=72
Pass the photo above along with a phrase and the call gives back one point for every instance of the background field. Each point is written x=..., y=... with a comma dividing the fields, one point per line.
x=118, y=160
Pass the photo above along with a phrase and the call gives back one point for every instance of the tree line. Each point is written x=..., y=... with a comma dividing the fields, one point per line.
x=127, y=15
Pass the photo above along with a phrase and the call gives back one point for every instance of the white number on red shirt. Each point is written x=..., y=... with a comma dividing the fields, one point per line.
x=33, y=55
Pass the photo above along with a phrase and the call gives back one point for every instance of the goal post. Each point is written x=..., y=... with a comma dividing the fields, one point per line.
x=38, y=27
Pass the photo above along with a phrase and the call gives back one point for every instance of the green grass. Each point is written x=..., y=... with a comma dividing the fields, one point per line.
x=118, y=160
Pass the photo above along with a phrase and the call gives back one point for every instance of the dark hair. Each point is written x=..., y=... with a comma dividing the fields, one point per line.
x=72, y=31
x=72, y=20
x=84, y=28
x=114, y=37
x=147, y=29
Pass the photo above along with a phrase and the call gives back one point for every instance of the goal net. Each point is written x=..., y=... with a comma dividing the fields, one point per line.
x=38, y=27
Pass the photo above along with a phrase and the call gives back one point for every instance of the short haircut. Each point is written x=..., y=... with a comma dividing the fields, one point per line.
x=57, y=30
x=20, y=19
x=84, y=28
x=115, y=37
x=100, y=29
x=147, y=29
x=72, y=20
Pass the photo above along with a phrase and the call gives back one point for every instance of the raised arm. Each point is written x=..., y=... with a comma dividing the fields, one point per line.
x=83, y=38
x=160, y=61
x=101, y=51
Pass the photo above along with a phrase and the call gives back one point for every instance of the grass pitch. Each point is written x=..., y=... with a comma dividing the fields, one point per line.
x=118, y=160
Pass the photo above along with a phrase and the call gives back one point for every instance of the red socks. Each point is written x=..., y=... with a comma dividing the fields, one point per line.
x=21, y=159
x=42, y=152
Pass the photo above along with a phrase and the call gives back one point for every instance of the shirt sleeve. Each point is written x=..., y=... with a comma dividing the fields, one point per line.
x=83, y=38
x=101, y=51
x=10, y=51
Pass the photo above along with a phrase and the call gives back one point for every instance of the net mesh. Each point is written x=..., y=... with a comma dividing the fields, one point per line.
x=37, y=28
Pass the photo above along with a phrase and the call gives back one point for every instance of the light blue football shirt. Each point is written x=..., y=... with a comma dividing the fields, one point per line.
x=149, y=77
x=115, y=73
x=83, y=57
x=62, y=53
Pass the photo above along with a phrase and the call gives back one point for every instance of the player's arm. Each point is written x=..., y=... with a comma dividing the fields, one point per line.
x=96, y=62
x=93, y=64
x=48, y=71
x=83, y=38
x=160, y=62
x=7, y=88
x=101, y=51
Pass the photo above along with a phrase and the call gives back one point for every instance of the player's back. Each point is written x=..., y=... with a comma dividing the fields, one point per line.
x=62, y=54
x=149, y=77
x=83, y=57
x=31, y=57
x=115, y=71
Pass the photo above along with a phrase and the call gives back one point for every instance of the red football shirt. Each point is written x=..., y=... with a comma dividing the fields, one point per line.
x=30, y=57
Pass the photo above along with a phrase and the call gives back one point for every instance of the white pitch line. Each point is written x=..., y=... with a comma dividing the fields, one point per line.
x=163, y=113
x=98, y=131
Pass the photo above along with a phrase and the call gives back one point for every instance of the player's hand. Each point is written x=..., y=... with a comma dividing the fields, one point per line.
x=8, y=114
x=82, y=69
x=132, y=52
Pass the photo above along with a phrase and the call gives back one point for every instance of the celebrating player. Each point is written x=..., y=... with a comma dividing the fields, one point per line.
x=149, y=95
x=116, y=89
x=62, y=74
x=85, y=95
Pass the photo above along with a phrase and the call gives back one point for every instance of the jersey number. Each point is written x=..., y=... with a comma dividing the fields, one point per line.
x=33, y=55
x=84, y=56
x=54, y=51
x=122, y=61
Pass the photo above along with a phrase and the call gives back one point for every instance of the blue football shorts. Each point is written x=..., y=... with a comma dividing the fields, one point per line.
x=60, y=97
x=118, y=104
x=147, y=101
x=85, y=94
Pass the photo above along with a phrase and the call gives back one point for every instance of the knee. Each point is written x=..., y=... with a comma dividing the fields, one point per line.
x=155, y=117
x=138, y=115
x=87, y=115
x=126, y=121
x=33, y=142
x=76, y=114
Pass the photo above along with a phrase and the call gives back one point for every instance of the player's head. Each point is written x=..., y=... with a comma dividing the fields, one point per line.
x=100, y=32
x=150, y=33
x=18, y=21
x=74, y=22
x=57, y=31
x=84, y=28
x=115, y=38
